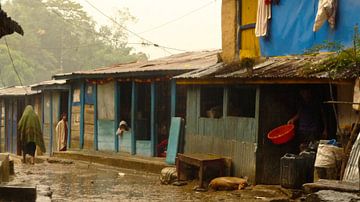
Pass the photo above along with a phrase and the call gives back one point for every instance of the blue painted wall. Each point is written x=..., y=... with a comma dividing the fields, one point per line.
x=292, y=23
x=106, y=135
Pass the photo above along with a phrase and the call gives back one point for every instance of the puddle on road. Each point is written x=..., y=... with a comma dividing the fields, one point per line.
x=82, y=181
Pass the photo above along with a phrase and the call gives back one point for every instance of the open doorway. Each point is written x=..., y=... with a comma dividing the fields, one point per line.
x=278, y=104
x=64, y=103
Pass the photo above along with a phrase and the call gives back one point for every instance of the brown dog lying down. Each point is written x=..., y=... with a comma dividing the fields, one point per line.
x=228, y=183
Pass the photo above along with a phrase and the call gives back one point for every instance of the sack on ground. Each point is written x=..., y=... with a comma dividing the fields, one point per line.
x=327, y=155
x=168, y=175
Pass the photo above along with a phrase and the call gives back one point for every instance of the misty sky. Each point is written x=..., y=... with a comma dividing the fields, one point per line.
x=200, y=30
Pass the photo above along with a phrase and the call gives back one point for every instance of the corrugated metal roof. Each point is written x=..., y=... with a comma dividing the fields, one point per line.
x=290, y=67
x=17, y=91
x=49, y=84
x=178, y=62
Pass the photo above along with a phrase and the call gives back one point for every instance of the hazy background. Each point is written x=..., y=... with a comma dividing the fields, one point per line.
x=199, y=30
x=72, y=35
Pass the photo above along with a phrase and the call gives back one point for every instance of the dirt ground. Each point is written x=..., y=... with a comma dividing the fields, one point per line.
x=82, y=181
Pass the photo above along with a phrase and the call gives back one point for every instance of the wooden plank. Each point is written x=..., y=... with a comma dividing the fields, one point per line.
x=89, y=114
x=335, y=185
x=174, y=138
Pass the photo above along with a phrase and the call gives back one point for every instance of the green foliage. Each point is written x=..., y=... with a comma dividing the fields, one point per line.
x=61, y=37
x=345, y=59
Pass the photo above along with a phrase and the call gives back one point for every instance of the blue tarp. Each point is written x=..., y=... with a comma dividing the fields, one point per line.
x=292, y=23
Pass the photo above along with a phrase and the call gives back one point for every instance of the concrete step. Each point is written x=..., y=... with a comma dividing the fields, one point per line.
x=146, y=164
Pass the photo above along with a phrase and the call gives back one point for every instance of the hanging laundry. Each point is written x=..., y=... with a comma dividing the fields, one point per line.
x=326, y=11
x=262, y=18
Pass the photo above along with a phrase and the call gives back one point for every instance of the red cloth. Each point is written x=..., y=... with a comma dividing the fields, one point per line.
x=161, y=148
x=267, y=2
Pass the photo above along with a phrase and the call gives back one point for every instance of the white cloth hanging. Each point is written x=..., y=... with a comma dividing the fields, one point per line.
x=262, y=18
x=326, y=11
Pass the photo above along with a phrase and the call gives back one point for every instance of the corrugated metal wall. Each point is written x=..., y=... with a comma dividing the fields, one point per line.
x=352, y=168
x=234, y=137
x=106, y=115
x=46, y=129
x=56, y=117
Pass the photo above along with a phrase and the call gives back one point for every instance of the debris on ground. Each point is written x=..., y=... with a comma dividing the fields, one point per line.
x=179, y=183
x=228, y=183
x=60, y=161
x=199, y=189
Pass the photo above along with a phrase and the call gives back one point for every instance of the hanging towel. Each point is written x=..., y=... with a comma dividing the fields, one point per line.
x=326, y=11
x=262, y=18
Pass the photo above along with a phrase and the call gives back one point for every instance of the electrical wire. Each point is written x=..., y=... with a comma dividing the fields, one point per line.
x=13, y=65
x=130, y=31
x=149, y=43
x=178, y=18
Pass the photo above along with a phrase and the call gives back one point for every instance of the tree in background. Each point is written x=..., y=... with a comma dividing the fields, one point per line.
x=61, y=37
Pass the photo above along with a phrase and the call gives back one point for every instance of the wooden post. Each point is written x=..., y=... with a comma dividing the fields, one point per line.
x=134, y=95
x=82, y=113
x=95, y=119
x=59, y=109
x=42, y=111
x=257, y=114
x=69, y=118
x=225, y=101
x=117, y=114
x=14, y=132
x=51, y=124
x=1, y=125
x=7, y=126
x=173, y=98
x=153, y=119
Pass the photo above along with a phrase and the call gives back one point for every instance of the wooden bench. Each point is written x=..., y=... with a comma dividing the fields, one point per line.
x=202, y=161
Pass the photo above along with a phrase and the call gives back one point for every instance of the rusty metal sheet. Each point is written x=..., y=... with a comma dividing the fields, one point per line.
x=17, y=91
x=291, y=67
x=183, y=61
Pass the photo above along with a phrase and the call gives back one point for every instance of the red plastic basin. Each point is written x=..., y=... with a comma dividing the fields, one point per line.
x=282, y=134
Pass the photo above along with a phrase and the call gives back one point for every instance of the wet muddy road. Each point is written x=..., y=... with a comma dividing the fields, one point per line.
x=81, y=181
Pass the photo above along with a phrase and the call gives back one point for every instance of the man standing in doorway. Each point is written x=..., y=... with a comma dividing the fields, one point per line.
x=61, y=132
x=310, y=120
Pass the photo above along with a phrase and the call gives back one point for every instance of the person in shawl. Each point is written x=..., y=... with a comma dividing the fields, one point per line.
x=30, y=133
x=61, y=132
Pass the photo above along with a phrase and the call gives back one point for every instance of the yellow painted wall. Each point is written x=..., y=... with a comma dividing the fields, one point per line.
x=228, y=28
x=249, y=43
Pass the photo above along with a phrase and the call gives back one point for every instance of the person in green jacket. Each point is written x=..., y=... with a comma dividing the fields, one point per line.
x=30, y=133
